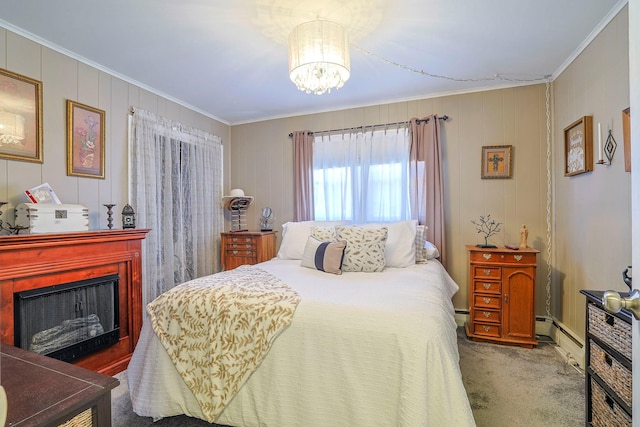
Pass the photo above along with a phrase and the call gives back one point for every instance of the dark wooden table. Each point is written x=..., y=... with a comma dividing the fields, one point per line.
x=42, y=391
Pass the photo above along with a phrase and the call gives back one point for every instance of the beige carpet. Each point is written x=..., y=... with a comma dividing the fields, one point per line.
x=507, y=387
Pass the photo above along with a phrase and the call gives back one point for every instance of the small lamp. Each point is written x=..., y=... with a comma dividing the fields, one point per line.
x=128, y=217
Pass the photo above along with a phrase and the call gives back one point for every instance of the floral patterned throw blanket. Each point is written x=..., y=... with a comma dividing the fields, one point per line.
x=217, y=329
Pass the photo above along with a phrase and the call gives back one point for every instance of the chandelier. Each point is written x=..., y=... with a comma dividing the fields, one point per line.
x=319, y=56
x=11, y=128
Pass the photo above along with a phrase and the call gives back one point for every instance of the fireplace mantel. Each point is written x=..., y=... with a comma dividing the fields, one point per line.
x=39, y=260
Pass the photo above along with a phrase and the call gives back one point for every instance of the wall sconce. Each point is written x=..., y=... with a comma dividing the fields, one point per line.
x=609, y=148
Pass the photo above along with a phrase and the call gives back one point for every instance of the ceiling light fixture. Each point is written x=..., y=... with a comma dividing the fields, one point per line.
x=319, y=56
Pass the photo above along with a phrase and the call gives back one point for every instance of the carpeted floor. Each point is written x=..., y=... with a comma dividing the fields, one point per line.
x=507, y=387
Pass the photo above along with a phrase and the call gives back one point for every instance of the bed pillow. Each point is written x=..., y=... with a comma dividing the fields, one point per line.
x=421, y=238
x=431, y=250
x=365, y=247
x=295, y=235
x=400, y=249
x=324, y=234
x=323, y=256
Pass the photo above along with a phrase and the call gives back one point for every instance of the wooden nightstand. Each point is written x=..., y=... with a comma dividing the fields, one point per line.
x=502, y=295
x=246, y=247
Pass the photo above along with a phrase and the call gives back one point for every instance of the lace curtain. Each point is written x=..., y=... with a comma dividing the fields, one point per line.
x=176, y=187
x=362, y=176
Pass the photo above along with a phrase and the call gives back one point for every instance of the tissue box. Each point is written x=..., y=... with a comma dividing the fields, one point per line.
x=51, y=218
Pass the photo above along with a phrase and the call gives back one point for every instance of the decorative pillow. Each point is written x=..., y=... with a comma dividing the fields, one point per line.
x=431, y=250
x=400, y=249
x=323, y=256
x=295, y=235
x=421, y=238
x=324, y=234
x=365, y=247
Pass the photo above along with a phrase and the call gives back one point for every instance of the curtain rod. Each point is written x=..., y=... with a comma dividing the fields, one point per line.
x=443, y=118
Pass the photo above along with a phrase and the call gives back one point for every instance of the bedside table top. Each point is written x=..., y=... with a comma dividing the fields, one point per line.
x=474, y=248
x=247, y=233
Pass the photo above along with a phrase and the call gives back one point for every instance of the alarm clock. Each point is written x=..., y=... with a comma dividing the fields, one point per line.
x=128, y=217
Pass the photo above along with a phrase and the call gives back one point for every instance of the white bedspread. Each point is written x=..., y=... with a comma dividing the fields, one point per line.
x=363, y=349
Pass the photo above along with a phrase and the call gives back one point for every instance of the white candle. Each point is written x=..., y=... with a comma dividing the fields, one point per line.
x=599, y=143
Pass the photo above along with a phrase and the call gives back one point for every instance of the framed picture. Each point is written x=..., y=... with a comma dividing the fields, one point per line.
x=578, y=147
x=496, y=161
x=85, y=140
x=626, y=136
x=20, y=118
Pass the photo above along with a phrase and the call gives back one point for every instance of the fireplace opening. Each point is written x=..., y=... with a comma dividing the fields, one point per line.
x=68, y=321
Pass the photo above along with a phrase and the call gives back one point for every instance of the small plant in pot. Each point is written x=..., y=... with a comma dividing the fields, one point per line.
x=487, y=227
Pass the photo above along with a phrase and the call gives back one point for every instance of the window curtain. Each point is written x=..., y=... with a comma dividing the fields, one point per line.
x=176, y=187
x=302, y=175
x=362, y=176
x=427, y=182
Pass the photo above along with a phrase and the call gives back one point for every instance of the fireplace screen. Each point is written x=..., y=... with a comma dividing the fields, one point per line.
x=68, y=321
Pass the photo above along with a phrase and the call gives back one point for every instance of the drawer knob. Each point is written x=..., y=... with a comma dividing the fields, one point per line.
x=518, y=257
x=486, y=300
x=487, y=271
x=487, y=256
x=234, y=239
x=486, y=328
x=486, y=314
x=248, y=252
x=235, y=252
x=613, y=302
x=486, y=286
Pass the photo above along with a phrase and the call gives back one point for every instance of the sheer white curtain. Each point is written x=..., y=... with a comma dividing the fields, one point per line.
x=362, y=176
x=176, y=187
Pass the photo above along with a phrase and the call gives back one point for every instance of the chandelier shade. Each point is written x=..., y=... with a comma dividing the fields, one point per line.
x=319, y=56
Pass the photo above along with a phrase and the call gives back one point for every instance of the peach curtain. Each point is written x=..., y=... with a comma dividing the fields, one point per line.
x=302, y=175
x=427, y=183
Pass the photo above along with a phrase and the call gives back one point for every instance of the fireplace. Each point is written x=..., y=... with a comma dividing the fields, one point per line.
x=43, y=264
x=68, y=321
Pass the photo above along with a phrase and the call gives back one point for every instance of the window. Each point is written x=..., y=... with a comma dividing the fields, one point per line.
x=362, y=177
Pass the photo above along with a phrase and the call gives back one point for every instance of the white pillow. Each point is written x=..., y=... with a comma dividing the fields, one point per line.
x=295, y=235
x=400, y=249
x=431, y=250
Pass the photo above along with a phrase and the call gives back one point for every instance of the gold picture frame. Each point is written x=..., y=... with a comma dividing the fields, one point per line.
x=497, y=161
x=578, y=147
x=85, y=141
x=20, y=118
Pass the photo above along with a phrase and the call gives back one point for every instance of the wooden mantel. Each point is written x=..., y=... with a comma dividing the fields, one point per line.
x=39, y=260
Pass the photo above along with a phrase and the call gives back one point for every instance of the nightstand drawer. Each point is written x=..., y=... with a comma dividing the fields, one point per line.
x=488, y=301
x=487, y=287
x=487, y=272
x=616, y=375
x=523, y=257
x=486, y=329
x=480, y=315
x=241, y=253
x=239, y=240
x=611, y=330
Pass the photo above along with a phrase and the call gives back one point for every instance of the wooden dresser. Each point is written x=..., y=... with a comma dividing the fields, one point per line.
x=608, y=355
x=246, y=247
x=502, y=295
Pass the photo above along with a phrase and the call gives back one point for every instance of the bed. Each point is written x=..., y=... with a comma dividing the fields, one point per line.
x=362, y=349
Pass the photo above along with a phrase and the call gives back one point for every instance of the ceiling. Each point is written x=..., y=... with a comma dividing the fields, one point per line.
x=228, y=58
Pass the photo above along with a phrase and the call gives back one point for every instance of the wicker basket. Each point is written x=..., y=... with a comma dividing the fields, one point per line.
x=83, y=419
x=616, y=375
x=605, y=412
x=609, y=329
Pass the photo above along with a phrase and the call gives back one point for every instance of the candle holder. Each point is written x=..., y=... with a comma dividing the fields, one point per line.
x=109, y=207
x=609, y=149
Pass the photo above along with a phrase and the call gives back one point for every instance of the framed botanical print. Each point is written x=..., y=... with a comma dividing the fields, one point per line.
x=578, y=147
x=85, y=141
x=20, y=118
x=496, y=161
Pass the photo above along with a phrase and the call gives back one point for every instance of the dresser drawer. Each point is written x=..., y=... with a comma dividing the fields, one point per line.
x=486, y=329
x=511, y=257
x=487, y=301
x=480, y=315
x=487, y=272
x=233, y=253
x=616, y=375
x=605, y=412
x=611, y=330
x=486, y=287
